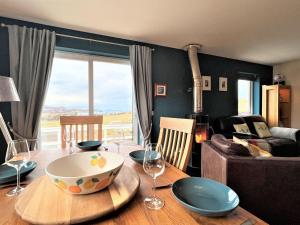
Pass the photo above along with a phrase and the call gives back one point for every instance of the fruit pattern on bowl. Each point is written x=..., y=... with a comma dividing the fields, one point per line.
x=82, y=185
x=98, y=160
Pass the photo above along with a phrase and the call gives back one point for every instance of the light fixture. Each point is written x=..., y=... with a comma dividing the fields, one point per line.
x=8, y=93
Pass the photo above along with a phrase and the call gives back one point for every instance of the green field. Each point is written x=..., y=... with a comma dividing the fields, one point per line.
x=52, y=119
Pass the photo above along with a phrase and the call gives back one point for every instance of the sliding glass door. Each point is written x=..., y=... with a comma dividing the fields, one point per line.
x=89, y=85
x=113, y=97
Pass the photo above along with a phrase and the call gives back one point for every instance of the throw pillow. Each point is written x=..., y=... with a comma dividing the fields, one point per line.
x=242, y=128
x=262, y=143
x=254, y=150
x=228, y=147
x=262, y=129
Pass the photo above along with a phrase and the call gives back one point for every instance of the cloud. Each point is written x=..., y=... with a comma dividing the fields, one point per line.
x=69, y=85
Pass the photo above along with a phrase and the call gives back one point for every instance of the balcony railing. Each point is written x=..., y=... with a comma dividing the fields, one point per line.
x=50, y=137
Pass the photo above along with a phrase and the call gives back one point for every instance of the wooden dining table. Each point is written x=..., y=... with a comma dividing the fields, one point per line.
x=134, y=212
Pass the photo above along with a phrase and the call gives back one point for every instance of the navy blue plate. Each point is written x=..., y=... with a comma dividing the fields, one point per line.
x=137, y=156
x=9, y=174
x=89, y=145
x=205, y=196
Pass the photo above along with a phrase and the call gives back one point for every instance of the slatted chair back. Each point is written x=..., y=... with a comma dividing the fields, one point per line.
x=176, y=139
x=85, y=128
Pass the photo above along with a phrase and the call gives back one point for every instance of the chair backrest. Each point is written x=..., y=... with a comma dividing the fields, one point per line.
x=176, y=138
x=84, y=127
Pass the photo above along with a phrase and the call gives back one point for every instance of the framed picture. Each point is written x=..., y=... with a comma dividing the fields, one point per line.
x=222, y=83
x=206, y=83
x=160, y=89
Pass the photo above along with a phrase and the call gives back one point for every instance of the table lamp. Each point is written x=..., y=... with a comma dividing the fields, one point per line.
x=8, y=93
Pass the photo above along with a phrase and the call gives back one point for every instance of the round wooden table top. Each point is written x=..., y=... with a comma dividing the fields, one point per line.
x=44, y=203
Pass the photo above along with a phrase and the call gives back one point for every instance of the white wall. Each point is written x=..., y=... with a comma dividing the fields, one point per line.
x=291, y=71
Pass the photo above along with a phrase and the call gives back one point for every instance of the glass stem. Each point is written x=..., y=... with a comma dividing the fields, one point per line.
x=154, y=185
x=18, y=177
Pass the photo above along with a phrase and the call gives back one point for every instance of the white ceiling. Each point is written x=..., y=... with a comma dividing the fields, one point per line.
x=262, y=31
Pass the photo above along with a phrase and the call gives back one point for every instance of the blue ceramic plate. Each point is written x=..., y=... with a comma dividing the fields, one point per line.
x=205, y=196
x=89, y=145
x=137, y=156
x=9, y=174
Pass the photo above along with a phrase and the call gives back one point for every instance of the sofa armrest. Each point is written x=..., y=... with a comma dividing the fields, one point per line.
x=245, y=136
x=284, y=132
x=213, y=162
x=273, y=181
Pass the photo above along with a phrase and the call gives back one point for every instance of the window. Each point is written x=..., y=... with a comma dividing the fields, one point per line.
x=245, y=97
x=85, y=85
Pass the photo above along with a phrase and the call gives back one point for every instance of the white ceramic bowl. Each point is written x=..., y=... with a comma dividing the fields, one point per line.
x=86, y=172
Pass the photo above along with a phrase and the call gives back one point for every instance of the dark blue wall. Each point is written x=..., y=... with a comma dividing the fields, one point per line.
x=4, y=71
x=170, y=66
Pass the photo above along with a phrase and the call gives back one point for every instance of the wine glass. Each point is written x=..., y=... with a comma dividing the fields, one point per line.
x=69, y=138
x=154, y=165
x=119, y=138
x=17, y=155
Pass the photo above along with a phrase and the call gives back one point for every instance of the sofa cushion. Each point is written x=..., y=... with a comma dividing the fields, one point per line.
x=262, y=129
x=228, y=147
x=225, y=124
x=258, y=151
x=254, y=150
x=242, y=128
x=262, y=143
x=243, y=136
x=284, y=132
x=251, y=119
x=283, y=147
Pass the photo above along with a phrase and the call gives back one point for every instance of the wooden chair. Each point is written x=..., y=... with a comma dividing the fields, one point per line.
x=176, y=138
x=83, y=123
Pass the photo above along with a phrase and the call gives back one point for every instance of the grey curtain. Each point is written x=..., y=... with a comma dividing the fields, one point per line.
x=141, y=66
x=31, y=54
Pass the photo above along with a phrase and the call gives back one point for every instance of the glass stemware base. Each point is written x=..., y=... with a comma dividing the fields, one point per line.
x=15, y=191
x=153, y=202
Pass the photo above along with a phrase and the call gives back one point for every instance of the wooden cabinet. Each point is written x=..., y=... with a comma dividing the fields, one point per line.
x=276, y=105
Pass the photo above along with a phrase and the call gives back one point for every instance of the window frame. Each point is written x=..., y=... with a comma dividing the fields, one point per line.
x=91, y=59
x=251, y=96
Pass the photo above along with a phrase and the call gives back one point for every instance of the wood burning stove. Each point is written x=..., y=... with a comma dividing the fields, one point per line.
x=201, y=131
x=201, y=134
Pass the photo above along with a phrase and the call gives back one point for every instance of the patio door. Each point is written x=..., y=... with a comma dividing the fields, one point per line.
x=83, y=84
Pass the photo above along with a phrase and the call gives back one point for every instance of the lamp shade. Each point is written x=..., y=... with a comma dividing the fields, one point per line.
x=8, y=91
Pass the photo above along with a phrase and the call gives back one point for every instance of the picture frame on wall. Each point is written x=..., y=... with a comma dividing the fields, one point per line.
x=160, y=89
x=206, y=83
x=223, y=84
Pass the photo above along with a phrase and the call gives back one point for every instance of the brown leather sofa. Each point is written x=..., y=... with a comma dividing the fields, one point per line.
x=284, y=141
x=268, y=187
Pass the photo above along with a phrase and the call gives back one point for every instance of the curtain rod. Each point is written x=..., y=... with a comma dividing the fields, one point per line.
x=86, y=39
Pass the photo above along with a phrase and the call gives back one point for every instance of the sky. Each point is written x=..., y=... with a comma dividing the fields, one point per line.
x=68, y=86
